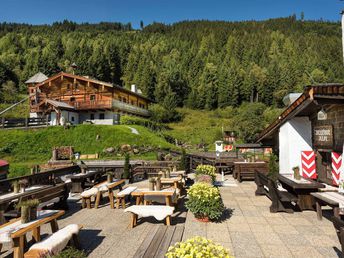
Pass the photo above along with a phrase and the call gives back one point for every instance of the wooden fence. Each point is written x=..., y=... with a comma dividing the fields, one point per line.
x=23, y=122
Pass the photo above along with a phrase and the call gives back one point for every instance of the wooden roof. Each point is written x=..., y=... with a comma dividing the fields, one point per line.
x=91, y=80
x=330, y=92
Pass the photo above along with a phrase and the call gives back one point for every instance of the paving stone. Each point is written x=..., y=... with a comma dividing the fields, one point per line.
x=284, y=229
x=292, y=240
x=320, y=240
x=239, y=228
x=267, y=238
x=261, y=228
x=305, y=251
x=275, y=251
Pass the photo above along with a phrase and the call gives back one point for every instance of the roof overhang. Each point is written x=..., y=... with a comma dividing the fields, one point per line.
x=309, y=102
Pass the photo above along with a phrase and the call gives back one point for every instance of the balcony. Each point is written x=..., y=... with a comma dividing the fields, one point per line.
x=129, y=108
x=91, y=104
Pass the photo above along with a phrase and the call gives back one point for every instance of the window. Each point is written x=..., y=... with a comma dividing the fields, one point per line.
x=92, y=97
x=72, y=118
x=72, y=99
x=92, y=116
x=101, y=116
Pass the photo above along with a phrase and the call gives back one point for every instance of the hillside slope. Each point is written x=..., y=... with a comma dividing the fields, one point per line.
x=24, y=148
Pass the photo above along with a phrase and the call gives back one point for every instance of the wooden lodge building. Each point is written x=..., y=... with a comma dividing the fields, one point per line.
x=76, y=99
x=313, y=122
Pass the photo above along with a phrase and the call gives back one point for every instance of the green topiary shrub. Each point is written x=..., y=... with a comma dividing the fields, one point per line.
x=273, y=168
x=197, y=247
x=204, y=200
x=126, y=173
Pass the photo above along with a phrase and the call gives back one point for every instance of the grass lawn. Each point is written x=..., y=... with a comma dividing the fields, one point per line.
x=26, y=148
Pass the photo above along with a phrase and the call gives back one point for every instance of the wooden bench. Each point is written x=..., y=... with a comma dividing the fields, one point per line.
x=159, y=212
x=339, y=227
x=281, y=200
x=86, y=197
x=246, y=170
x=159, y=239
x=56, y=195
x=43, y=248
x=120, y=196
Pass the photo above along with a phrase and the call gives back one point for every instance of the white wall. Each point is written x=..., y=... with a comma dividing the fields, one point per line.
x=294, y=136
x=68, y=116
x=33, y=115
x=108, y=117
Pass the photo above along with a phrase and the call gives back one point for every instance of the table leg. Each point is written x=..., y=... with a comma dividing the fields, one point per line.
x=2, y=217
x=18, y=247
x=118, y=199
x=168, y=200
x=54, y=226
x=138, y=200
x=319, y=210
x=112, y=205
x=123, y=202
x=36, y=234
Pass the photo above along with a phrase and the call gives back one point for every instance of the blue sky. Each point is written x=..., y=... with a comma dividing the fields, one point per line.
x=167, y=11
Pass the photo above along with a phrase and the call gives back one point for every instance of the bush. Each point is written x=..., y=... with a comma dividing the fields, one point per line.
x=206, y=170
x=205, y=201
x=161, y=114
x=71, y=253
x=197, y=247
x=183, y=160
x=154, y=126
x=273, y=167
x=126, y=173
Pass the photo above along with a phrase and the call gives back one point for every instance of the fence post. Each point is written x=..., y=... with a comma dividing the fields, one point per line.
x=3, y=122
x=26, y=122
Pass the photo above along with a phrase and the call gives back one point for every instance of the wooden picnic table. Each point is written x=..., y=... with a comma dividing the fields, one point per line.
x=167, y=193
x=19, y=236
x=173, y=181
x=7, y=198
x=79, y=180
x=110, y=187
x=302, y=189
x=331, y=199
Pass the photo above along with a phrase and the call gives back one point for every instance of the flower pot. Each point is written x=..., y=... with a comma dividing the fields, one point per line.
x=151, y=186
x=22, y=189
x=168, y=174
x=15, y=189
x=33, y=213
x=158, y=184
x=109, y=178
x=297, y=174
x=203, y=219
x=25, y=214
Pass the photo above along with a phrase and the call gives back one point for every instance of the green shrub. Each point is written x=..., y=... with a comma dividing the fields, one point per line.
x=205, y=201
x=197, y=247
x=273, y=167
x=71, y=252
x=126, y=173
x=183, y=160
x=206, y=170
x=154, y=126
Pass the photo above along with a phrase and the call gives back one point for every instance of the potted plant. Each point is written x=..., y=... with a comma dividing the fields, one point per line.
x=197, y=247
x=297, y=173
x=109, y=177
x=28, y=210
x=204, y=179
x=15, y=185
x=205, y=202
x=206, y=170
x=126, y=173
x=273, y=168
x=23, y=183
x=151, y=182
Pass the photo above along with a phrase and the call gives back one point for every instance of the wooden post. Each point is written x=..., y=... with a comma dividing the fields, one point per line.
x=3, y=122
x=26, y=122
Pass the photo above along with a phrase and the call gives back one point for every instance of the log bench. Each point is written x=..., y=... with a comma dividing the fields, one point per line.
x=120, y=196
x=56, y=242
x=159, y=212
x=281, y=199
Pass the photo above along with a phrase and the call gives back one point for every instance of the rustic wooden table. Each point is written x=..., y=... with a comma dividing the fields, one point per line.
x=331, y=199
x=167, y=193
x=302, y=189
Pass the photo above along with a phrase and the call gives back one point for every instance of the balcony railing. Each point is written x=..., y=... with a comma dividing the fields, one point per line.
x=91, y=104
x=129, y=108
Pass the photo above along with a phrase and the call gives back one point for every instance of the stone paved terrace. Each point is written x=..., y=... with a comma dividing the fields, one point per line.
x=249, y=231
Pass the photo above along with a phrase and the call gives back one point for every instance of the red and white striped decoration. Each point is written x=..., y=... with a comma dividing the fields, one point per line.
x=336, y=164
x=308, y=164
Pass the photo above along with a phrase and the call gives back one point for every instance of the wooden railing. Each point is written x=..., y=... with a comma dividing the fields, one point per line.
x=91, y=104
x=23, y=122
x=129, y=108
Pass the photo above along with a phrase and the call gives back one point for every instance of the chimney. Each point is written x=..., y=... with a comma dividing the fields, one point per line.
x=133, y=88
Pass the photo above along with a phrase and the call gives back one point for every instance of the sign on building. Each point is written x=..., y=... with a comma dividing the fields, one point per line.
x=323, y=136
